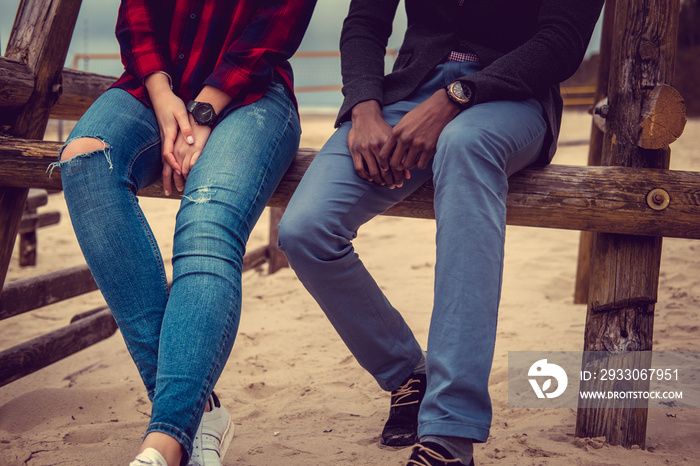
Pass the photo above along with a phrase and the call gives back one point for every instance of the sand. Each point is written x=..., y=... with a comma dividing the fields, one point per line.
x=297, y=395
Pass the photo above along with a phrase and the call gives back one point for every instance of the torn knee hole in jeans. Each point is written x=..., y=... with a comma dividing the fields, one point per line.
x=201, y=195
x=83, y=147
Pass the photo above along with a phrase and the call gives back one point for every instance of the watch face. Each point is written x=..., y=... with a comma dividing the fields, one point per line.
x=203, y=113
x=458, y=92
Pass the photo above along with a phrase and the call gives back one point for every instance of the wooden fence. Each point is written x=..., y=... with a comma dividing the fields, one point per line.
x=626, y=204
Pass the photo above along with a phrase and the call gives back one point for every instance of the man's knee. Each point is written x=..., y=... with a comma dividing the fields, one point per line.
x=290, y=233
x=82, y=146
x=303, y=235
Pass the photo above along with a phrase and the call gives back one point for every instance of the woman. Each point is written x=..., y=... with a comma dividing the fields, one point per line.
x=205, y=103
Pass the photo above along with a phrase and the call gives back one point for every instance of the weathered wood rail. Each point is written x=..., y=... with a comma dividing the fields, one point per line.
x=586, y=198
x=629, y=204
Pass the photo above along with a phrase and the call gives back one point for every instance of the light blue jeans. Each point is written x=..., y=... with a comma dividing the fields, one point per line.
x=476, y=153
x=179, y=339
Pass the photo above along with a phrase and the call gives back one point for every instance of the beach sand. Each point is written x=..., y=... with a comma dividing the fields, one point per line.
x=296, y=394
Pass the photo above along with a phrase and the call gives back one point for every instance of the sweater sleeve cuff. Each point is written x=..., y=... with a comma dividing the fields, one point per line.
x=360, y=90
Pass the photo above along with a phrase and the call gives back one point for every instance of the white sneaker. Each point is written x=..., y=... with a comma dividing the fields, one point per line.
x=213, y=436
x=150, y=456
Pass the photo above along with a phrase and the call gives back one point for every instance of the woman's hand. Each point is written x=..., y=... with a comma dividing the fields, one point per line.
x=187, y=154
x=173, y=121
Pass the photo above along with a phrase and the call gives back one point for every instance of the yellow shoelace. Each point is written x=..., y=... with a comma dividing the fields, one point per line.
x=422, y=450
x=402, y=392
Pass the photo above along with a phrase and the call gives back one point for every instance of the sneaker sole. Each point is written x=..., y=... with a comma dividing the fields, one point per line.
x=226, y=439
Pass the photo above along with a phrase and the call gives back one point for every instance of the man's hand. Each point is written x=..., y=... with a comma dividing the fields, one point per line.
x=413, y=141
x=173, y=120
x=367, y=136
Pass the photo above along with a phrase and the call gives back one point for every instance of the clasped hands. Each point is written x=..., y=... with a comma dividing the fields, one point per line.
x=383, y=154
x=182, y=140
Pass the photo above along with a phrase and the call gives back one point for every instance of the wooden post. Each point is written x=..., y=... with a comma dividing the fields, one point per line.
x=40, y=38
x=27, y=245
x=595, y=150
x=625, y=269
x=277, y=259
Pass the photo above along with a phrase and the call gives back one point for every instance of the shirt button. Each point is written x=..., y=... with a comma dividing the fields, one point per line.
x=193, y=16
x=181, y=56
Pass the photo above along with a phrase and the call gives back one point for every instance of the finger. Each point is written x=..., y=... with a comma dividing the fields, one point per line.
x=194, y=158
x=167, y=179
x=388, y=178
x=385, y=153
x=373, y=168
x=398, y=177
x=188, y=161
x=358, y=163
x=396, y=161
x=425, y=158
x=169, y=159
x=167, y=152
x=411, y=156
x=179, y=181
x=183, y=122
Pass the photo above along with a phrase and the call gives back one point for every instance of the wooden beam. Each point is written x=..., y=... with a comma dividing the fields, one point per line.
x=79, y=90
x=276, y=259
x=30, y=356
x=36, y=198
x=32, y=293
x=607, y=199
x=625, y=269
x=39, y=39
x=34, y=221
x=254, y=258
x=595, y=149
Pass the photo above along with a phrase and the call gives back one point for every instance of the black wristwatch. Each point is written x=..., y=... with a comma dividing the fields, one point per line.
x=202, y=112
x=460, y=93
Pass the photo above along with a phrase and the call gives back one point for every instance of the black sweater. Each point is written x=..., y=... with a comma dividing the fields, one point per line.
x=527, y=46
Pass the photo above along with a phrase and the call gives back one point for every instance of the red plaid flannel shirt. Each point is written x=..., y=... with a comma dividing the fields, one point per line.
x=234, y=45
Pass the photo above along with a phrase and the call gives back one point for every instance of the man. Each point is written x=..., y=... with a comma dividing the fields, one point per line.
x=472, y=99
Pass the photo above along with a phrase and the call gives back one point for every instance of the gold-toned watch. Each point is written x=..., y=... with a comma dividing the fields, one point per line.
x=460, y=93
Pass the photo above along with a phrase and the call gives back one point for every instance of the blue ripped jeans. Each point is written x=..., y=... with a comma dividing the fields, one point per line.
x=476, y=153
x=179, y=339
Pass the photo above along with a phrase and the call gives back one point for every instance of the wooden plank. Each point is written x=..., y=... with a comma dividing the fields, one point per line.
x=34, y=221
x=32, y=293
x=606, y=199
x=625, y=269
x=595, y=150
x=40, y=38
x=30, y=356
x=277, y=259
x=36, y=198
x=27, y=247
x=79, y=90
x=254, y=258
x=12, y=200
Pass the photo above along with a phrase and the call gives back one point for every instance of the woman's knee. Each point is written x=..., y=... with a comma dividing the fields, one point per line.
x=82, y=146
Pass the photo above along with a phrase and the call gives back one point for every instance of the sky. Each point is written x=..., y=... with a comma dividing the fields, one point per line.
x=94, y=33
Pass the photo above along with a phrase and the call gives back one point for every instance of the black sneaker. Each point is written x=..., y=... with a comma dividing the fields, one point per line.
x=432, y=454
x=401, y=429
